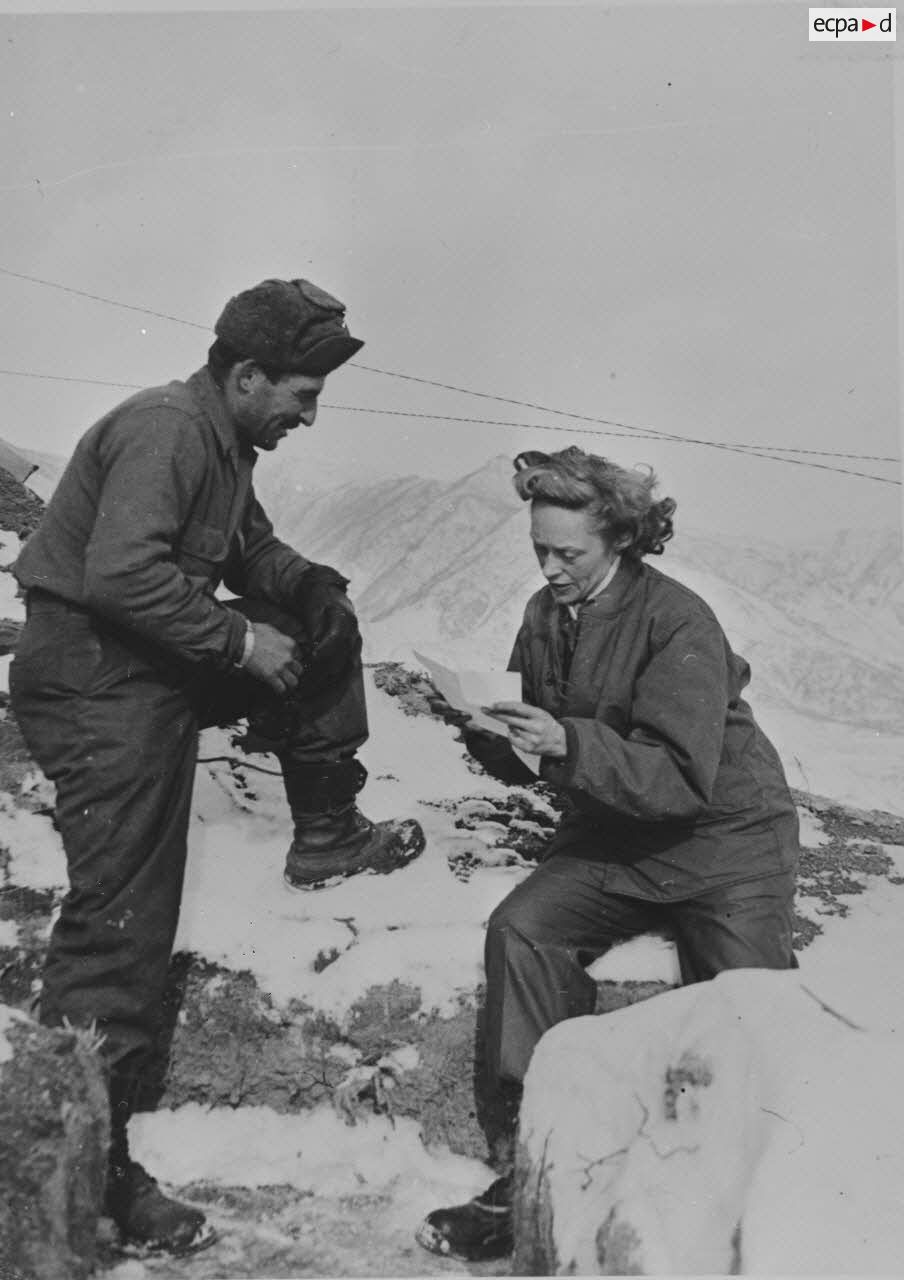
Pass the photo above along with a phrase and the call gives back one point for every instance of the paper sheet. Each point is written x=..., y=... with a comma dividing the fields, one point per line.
x=470, y=690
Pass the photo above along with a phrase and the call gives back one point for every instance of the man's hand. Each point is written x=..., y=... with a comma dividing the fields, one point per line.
x=531, y=729
x=329, y=619
x=274, y=659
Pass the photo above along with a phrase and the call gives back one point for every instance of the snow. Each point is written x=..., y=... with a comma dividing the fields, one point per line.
x=10, y=546
x=424, y=927
x=11, y=605
x=7, y=1018
x=862, y=977
x=826, y=1196
x=315, y=1151
x=787, y=1119
x=36, y=854
x=852, y=764
x=819, y=625
x=812, y=833
x=419, y=925
x=645, y=959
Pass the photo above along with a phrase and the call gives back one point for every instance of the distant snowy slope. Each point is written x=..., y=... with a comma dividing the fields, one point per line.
x=851, y=585
x=410, y=543
x=801, y=653
x=450, y=563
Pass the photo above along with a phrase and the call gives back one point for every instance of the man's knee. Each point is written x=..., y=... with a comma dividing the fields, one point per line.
x=256, y=610
x=281, y=722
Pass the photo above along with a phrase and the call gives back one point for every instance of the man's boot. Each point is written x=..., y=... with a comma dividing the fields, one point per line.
x=333, y=840
x=482, y=1229
x=147, y=1220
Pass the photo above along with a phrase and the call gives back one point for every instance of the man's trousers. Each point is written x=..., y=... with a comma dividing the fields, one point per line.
x=114, y=725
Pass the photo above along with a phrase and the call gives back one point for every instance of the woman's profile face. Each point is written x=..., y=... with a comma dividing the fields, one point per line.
x=573, y=557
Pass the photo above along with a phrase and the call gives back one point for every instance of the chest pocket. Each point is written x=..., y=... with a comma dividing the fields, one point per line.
x=202, y=551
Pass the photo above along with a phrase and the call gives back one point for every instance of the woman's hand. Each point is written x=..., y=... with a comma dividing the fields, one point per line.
x=531, y=729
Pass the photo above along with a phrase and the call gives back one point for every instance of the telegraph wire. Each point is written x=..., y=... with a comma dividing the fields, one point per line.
x=480, y=421
x=750, y=451
x=650, y=433
x=627, y=428
x=60, y=377
x=95, y=297
x=488, y=422
x=494, y=422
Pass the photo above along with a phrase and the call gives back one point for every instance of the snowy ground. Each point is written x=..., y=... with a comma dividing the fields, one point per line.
x=425, y=926
x=420, y=925
x=850, y=763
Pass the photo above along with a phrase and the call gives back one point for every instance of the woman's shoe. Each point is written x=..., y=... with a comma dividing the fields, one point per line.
x=474, y=1232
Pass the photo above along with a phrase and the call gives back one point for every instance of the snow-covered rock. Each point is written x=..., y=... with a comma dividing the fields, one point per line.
x=744, y=1125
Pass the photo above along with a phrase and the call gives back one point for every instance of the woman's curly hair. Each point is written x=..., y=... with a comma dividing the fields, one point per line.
x=620, y=502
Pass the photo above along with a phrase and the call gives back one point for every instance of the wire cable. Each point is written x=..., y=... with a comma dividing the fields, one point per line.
x=96, y=297
x=749, y=450
x=241, y=764
x=753, y=451
x=538, y=426
x=650, y=433
x=60, y=377
x=488, y=422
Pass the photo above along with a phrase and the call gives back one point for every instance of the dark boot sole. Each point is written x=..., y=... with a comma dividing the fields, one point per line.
x=206, y=1237
x=331, y=881
x=412, y=847
x=488, y=1249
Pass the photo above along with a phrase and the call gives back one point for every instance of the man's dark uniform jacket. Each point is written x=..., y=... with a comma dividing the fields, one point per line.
x=155, y=509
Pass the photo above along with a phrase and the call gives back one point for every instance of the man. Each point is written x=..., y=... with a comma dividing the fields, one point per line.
x=127, y=651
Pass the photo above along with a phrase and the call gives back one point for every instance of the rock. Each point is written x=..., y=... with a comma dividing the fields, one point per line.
x=700, y=1133
x=20, y=509
x=54, y=1132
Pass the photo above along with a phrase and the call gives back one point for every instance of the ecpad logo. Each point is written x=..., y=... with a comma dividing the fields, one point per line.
x=853, y=24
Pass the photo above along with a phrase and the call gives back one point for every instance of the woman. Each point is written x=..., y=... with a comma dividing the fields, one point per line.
x=677, y=817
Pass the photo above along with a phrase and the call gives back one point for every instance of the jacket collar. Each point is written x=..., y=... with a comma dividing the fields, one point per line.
x=210, y=397
x=574, y=609
x=613, y=599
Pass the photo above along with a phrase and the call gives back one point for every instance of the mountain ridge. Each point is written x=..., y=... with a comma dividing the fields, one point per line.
x=436, y=562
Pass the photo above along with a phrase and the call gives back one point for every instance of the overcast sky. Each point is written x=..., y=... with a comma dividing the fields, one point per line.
x=679, y=218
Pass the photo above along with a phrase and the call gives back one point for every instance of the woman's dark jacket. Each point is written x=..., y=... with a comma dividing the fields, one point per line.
x=670, y=780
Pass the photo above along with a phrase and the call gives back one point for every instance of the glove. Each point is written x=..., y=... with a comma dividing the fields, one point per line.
x=334, y=641
x=497, y=756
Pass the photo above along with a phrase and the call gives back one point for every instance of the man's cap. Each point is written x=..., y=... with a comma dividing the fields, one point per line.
x=290, y=325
